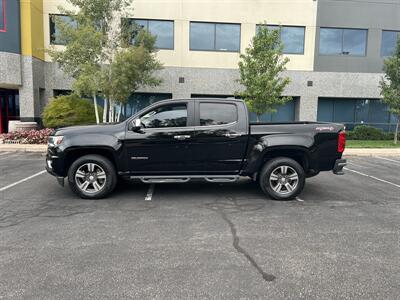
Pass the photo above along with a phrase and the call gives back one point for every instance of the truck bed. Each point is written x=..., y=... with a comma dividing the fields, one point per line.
x=294, y=128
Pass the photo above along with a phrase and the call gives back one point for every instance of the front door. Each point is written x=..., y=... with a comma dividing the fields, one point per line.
x=9, y=108
x=163, y=145
x=220, y=141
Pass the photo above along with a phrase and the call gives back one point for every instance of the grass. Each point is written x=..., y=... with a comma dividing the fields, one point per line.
x=371, y=144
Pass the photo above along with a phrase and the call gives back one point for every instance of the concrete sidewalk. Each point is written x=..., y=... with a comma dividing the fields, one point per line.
x=348, y=152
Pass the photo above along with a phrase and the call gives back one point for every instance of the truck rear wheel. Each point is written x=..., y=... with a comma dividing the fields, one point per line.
x=282, y=178
x=92, y=177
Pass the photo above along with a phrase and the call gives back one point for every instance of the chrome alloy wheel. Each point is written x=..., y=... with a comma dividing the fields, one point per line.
x=284, y=180
x=90, y=178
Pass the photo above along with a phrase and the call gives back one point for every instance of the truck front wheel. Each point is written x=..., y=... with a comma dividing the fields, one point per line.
x=282, y=178
x=92, y=177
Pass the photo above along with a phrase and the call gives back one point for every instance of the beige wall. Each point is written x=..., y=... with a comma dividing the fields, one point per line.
x=246, y=12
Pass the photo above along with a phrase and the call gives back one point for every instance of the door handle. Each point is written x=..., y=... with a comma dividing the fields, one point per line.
x=232, y=135
x=182, y=137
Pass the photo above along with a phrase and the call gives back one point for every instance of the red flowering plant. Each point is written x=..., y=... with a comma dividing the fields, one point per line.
x=27, y=137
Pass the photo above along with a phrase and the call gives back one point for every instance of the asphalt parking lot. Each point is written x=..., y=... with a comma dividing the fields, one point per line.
x=339, y=240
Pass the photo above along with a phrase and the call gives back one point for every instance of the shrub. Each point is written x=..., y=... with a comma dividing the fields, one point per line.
x=28, y=136
x=364, y=132
x=69, y=110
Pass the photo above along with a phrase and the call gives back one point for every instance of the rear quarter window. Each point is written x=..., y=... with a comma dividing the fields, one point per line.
x=217, y=114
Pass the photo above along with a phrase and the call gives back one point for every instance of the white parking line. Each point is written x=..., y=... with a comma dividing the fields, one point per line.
x=4, y=153
x=353, y=164
x=373, y=177
x=150, y=192
x=388, y=159
x=300, y=200
x=21, y=181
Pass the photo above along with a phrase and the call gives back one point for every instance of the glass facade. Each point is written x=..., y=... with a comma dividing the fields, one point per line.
x=389, y=42
x=9, y=108
x=162, y=29
x=2, y=15
x=139, y=101
x=285, y=113
x=214, y=37
x=353, y=112
x=55, y=38
x=339, y=41
x=292, y=38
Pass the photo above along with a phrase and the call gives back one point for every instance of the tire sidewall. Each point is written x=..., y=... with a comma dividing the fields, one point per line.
x=272, y=165
x=108, y=167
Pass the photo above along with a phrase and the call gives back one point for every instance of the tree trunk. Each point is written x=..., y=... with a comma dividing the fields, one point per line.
x=396, y=132
x=96, y=111
x=119, y=113
x=111, y=116
x=258, y=118
x=105, y=111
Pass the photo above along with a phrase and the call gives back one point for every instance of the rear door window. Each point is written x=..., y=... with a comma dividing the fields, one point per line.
x=217, y=114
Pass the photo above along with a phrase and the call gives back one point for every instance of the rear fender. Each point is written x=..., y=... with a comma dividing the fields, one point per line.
x=278, y=145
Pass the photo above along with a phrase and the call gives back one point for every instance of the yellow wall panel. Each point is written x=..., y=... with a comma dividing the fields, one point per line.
x=32, y=36
x=246, y=12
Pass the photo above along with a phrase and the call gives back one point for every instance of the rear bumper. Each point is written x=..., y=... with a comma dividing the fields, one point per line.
x=339, y=165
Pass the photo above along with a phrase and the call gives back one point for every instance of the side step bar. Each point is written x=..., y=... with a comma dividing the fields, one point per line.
x=183, y=178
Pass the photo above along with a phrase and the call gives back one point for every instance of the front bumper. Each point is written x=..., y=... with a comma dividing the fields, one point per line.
x=55, y=165
x=339, y=165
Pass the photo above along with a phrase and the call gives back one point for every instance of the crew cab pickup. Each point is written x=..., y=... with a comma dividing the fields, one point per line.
x=191, y=139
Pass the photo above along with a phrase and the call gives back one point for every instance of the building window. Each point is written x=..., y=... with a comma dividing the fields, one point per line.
x=163, y=30
x=292, y=38
x=389, y=42
x=139, y=101
x=339, y=41
x=2, y=15
x=55, y=35
x=214, y=37
x=219, y=96
x=284, y=113
x=353, y=112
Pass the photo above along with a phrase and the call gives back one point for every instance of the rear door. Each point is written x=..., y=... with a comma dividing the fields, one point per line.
x=163, y=146
x=220, y=139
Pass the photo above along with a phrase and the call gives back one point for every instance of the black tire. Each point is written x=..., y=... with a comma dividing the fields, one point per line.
x=101, y=164
x=290, y=187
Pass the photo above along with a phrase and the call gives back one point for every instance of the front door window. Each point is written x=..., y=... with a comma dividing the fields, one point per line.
x=174, y=115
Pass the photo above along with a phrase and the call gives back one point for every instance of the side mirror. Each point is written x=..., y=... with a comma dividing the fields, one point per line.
x=136, y=125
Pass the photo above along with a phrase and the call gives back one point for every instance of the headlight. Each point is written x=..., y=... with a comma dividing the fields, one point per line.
x=55, y=140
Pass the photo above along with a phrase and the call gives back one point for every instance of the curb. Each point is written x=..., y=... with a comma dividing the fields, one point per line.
x=372, y=152
x=23, y=148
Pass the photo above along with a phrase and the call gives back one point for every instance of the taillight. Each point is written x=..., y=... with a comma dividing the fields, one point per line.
x=341, y=142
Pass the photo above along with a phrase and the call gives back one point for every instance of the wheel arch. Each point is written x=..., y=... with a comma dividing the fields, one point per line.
x=73, y=154
x=297, y=153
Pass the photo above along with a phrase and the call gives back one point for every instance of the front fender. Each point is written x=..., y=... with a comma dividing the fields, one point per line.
x=91, y=141
x=83, y=144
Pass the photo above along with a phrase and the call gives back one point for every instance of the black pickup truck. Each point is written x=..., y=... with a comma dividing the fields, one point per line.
x=187, y=139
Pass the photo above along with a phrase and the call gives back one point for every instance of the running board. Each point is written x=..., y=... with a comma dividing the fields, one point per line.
x=183, y=179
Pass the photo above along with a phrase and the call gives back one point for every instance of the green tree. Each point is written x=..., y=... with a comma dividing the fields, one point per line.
x=98, y=56
x=390, y=86
x=68, y=111
x=260, y=72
